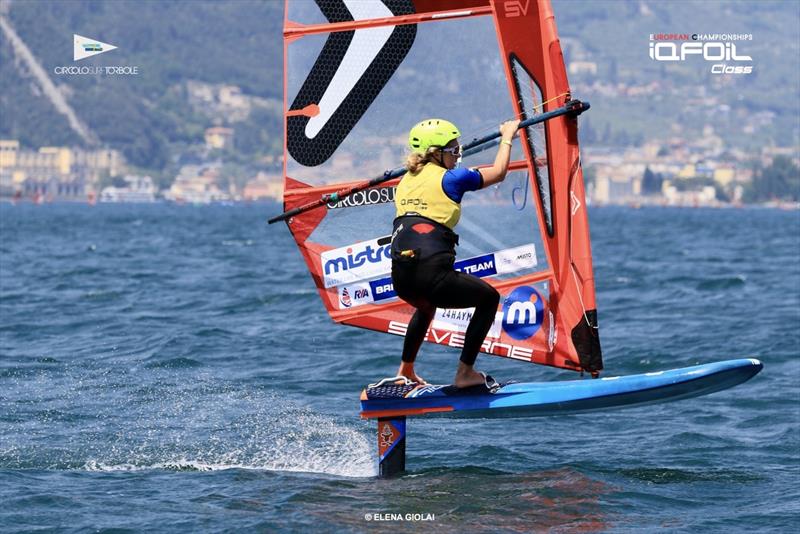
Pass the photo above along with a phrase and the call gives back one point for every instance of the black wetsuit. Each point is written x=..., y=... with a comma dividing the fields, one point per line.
x=423, y=253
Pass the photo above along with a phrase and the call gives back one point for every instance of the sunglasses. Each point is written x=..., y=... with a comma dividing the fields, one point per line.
x=453, y=151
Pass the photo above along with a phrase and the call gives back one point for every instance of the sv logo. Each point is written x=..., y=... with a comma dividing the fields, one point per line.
x=516, y=8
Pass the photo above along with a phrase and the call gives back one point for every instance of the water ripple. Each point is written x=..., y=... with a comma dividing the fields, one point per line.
x=178, y=368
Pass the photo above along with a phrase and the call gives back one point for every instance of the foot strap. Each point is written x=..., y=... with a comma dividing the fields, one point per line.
x=491, y=384
x=404, y=381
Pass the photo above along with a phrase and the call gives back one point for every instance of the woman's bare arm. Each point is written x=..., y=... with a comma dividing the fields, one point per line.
x=497, y=172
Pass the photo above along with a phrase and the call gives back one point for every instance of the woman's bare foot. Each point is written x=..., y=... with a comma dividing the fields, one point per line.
x=466, y=376
x=407, y=370
x=414, y=377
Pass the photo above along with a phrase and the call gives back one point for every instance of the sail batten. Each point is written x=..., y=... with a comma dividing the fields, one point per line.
x=361, y=75
x=295, y=30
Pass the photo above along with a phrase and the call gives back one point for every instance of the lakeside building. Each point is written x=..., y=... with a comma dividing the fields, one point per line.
x=197, y=184
x=680, y=173
x=705, y=196
x=264, y=186
x=226, y=103
x=219, y=137
x=55, y=173
x=583, y=67
x=137, y=189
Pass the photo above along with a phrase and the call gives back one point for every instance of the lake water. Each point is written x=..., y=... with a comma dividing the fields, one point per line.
x=171, y=368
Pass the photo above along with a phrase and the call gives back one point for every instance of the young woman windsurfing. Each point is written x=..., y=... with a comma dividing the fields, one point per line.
x=428, y=202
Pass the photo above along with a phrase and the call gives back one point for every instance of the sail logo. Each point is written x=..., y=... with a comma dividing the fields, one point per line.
x=454, y=338
x=355, y=260
x=84, y=47
x=379, y=287
x=516, y=8
x=447, y=321
x=515, y=259
x=345, y=298
x=480, y=266
x=360, y=261
x=576, y=203
x=368, y=197
x=523, y=312
x=361, y=294
x=382, y=289
x=354, y=295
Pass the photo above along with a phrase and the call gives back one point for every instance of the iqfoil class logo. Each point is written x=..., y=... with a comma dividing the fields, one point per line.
x=719, y=48
x=523, y=312
x=84, y=47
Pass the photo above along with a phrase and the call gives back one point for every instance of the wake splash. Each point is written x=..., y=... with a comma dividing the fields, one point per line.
x=175, y=421
x=312, y=443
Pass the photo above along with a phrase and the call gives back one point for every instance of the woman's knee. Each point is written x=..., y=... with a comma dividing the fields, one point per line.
x=490, y=297
x=425, y=310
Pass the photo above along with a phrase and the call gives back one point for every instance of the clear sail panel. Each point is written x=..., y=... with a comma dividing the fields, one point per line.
x=368, y=100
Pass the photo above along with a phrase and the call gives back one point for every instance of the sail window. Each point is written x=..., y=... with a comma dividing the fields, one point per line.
x=530, y=99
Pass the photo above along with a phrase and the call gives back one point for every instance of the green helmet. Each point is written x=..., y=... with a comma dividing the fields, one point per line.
x=432, y=132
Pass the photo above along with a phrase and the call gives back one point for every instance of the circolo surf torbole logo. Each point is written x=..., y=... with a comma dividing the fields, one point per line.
x=84, y=47
x=523, y=312
x=368, y=197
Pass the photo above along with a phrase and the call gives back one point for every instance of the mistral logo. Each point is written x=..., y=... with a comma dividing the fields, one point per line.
x=523, y=312
x=367, y=259
x=84, y=47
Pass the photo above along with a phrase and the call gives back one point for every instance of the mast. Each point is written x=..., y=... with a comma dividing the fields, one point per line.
x=532, y=51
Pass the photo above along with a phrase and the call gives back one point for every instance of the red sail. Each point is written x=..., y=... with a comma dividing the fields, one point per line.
x=358, y=75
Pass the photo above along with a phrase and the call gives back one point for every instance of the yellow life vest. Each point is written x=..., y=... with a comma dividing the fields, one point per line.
x=423, y=194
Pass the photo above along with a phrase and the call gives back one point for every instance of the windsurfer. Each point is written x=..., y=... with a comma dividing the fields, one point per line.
x=428, y=202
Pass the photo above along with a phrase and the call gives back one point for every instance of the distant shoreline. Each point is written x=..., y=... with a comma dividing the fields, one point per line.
x=780, y=205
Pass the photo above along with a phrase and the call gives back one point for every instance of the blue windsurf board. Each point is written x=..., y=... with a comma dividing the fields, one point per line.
x=555, y=398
